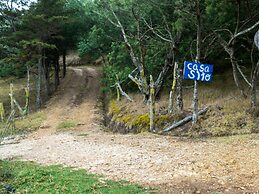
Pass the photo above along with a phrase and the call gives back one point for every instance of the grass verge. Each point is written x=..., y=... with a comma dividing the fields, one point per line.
x=25, y=177
x=67, y=125
x=24, y=125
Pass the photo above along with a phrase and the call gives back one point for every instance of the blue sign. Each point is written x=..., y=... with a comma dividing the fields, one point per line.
x=197, y=71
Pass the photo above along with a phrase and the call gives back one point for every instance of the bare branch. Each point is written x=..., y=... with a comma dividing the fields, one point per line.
x=243, y=75
x=244, y=31
x=158, y=35
x=109, y=19
x=122, y=92
x=135, y=60
x=137, y=82
x=223, y=29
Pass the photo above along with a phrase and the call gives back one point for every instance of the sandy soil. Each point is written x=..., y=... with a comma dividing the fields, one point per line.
x=175, y=165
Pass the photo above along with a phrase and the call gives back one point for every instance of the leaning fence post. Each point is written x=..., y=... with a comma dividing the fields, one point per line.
x=152, y=105
x=2, y=112
x=27, y=93
x=11, y=97
x=12, y=114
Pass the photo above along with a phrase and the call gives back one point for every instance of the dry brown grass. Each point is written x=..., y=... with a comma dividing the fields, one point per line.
x=228, y=111
x=27, y=124
x=19, y=85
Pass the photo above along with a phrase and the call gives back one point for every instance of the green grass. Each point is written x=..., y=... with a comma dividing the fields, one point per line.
x=67, y=124
x=31, y=178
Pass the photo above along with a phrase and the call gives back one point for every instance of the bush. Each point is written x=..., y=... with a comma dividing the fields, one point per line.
x=7, y=70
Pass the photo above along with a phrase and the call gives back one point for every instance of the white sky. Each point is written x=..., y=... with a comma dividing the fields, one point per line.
x=19, y=7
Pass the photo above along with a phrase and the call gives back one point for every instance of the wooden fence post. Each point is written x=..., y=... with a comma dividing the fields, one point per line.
x=179, y=91
x=12, y=114
x=170, y=106
x=152, y=105
x=27, y=93
x=2, y=112
x=195, y=103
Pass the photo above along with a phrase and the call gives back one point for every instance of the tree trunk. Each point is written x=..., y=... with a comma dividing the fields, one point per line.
x=38, y=87
x=27, y=93
x=198, y=56
x=141, y=81
x=170, y=61
x=47, y=77
x=170, y=103
x=253, y=90
x=235, y=75
x=179, y=91
x=172, y=92
x=64, y=63
x=56, y=72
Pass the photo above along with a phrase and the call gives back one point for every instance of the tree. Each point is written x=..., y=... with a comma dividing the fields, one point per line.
x=36, y=38
x=136, y=39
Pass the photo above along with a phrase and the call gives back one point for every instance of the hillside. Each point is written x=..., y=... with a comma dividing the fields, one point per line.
x=137, y=96
x=72, y=135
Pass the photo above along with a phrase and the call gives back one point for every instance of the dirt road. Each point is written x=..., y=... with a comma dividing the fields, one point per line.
x=223, y=165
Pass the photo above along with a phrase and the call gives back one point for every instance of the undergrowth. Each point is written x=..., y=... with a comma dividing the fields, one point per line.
x=19, y=93
x=24, y=125
x=228, y=112
x=124, y=114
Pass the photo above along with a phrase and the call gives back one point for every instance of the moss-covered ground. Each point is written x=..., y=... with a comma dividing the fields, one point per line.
x=135, y=121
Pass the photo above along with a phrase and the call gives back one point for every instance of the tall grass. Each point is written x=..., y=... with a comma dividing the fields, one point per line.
x=228, y=110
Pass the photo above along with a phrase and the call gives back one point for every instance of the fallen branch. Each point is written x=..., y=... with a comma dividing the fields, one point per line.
x=184, y=121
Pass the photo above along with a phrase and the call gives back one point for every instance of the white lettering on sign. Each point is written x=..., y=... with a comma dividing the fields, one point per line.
x=194, y=67
x=201, y=72
x=191, y=75
x=189, y=66
x=207, y=77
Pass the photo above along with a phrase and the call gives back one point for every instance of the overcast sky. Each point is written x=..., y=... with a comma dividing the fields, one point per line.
x=23, y=7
